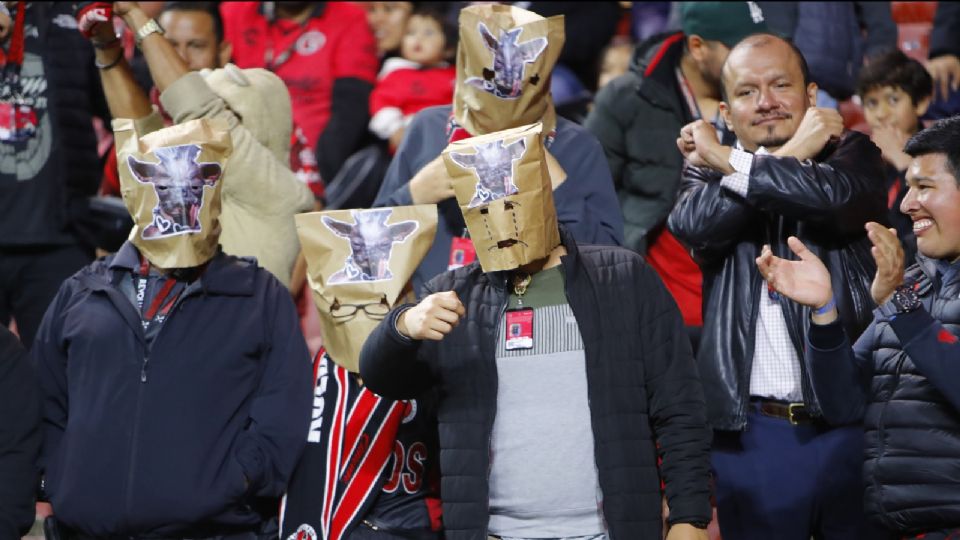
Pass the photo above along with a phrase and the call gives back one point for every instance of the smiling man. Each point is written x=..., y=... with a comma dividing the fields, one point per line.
x=900, y=378
x=794, y=171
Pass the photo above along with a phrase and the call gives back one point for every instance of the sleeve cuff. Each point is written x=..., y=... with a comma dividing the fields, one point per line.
x=827, y=337
x=148, y=124
x=394, y=331
x=739, y=181
x=188, y=98
x=910, y=325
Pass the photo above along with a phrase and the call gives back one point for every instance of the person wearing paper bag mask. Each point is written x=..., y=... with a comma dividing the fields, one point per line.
x=263, y=194
x=504, y=60
x=553, y=359
x=200, y=353
x=359, y=264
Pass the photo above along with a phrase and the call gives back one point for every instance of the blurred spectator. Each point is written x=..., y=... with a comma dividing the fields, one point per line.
x=895, y=91
x=195, y=30
x=615, y=62
x=944, y=64
x=326, y=54
x=421, y=77
x=19, y=437
x=48, y=159
x=674, y=79
x=648, y=19
x=260, y=194
x=388, y=20
x=830, y=37
x=586, y=202
x=589, y=26
x=793, y=172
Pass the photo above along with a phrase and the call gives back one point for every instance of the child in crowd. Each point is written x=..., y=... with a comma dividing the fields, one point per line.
x=421, y=77
x=895, y=91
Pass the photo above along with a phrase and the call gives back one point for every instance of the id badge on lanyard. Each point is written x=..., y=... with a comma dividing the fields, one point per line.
x=18, y=119
x=462, y=252
x=519, y=330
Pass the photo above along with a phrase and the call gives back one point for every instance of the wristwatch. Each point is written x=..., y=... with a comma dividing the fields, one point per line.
x=150, y=27
x=905, y=299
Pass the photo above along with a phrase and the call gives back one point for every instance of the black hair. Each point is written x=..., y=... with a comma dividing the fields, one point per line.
x=895, y=69
x=440, y=13
x=762, y=38
x=943, y=137
x=210, y=8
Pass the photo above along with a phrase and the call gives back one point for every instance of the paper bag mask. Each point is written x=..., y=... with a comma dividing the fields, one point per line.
x=502, y=185
x=504, y=61
x=170, y=181
x=358, y=263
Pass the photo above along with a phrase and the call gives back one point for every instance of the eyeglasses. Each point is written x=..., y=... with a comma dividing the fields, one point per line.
x=376, y=310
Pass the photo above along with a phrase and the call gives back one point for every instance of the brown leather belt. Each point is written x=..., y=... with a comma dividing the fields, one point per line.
x=795, y=413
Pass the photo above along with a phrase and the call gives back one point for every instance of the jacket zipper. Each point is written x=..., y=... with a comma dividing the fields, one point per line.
x=596, y=466
x=505, y=299
x=881, y=444
x=134, y=446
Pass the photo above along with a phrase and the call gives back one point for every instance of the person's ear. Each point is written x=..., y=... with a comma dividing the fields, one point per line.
x=812, y=94
x=921, y=107
x=696, y=45
x=224, y=53
x=725, y=114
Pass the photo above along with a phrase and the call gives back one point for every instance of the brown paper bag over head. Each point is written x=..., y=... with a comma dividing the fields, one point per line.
x=358, y=264
x=502, y=185
x=504, y=61
x=170, y=181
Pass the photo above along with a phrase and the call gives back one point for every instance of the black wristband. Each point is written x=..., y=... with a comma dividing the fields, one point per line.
x=105, y=67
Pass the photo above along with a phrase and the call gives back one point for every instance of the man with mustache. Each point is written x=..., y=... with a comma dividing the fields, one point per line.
x=781, y=471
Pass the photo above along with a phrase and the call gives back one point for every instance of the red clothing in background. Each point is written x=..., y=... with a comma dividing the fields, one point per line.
x=334, y=43
x=680, y=274
x=412, y=89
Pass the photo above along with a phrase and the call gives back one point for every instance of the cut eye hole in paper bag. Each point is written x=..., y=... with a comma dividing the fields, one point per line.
x=358, y=264
x=170, y=181
x=502, y=184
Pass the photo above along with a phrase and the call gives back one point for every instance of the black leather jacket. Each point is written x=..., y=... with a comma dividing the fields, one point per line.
x=824, y=202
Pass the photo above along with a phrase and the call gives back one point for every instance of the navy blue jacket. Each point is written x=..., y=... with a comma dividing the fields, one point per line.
x=178, y=438
x=586, y=202
x=902, y=380
x=19, y=437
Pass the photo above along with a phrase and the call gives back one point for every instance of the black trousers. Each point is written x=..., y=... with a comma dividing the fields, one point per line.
x=29, y=280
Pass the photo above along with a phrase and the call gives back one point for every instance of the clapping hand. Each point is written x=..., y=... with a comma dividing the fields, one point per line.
x=806, y=281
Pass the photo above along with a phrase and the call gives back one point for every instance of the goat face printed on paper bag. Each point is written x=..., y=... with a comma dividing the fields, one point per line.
x=381, y=247
x=179, y=180
x=510, y=57
x=371, y=242
x=509, y=211
x=493, y=164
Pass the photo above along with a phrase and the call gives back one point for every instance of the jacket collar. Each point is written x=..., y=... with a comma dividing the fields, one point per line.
x=224, y=275
x=570, y=262
x=654, y=62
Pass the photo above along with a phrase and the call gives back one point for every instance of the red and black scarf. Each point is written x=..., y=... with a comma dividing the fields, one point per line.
x=350, y=440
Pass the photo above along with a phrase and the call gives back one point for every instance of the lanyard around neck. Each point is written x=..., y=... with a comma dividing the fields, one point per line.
x=158, y=310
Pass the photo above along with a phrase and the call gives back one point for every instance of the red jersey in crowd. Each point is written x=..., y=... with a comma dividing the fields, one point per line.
x=334, y=43
x=405, y=88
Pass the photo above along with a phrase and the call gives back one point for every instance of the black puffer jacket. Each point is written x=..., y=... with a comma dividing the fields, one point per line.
x=637, y=118
x=642, y=386
x=825, y=203
x=907, y=373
